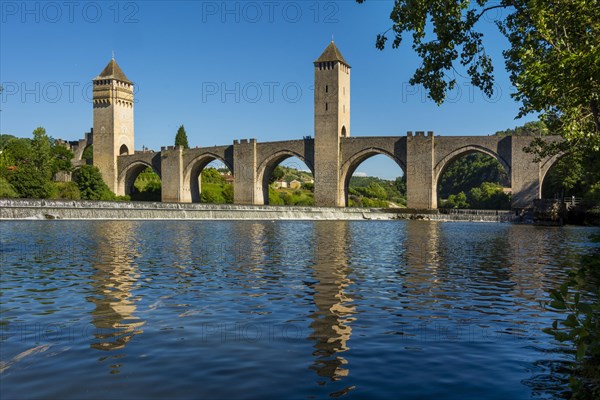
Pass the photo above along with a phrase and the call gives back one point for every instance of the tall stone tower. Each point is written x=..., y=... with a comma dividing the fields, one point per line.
x=332, y=122
x=113, y=121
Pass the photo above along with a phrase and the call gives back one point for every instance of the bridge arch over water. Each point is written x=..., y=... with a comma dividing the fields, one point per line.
x=355, y=160
x=268, y=165
x=193, y=170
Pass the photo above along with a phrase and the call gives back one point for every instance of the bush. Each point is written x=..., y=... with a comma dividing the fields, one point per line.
x=274, y=198
x=31, y=183
x=67, y=191
x=228, y=193
x=91, y=185
x=211, y=175
x=212, y=193
x=308, y=186
x=6, y=190
x=489, y=196
x=456, y=201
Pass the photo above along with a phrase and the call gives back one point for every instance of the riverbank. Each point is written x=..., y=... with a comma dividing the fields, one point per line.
x=25, y=209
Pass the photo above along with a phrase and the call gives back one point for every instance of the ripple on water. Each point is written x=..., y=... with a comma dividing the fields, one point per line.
x=244, y=309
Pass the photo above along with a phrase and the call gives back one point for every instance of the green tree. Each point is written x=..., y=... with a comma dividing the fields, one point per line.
x=31, y=183
x=275, y=198
x=91, y=185
x=20, y=150
x=228, y=194
x=88, y=154
x=211, y=175
x=181, y=138
x=4, y=139
x=212, y=194
x=533, y=128
x=42, y=153
x=577, y=301
x=277, y=174
x=400, y=185
x=489, y=196
x=552, y=57
x=61, y=159
x=456, y=201
x=7, y=191
x=471, y=171
x=375, y=190
x=67, y=191
x=7, y=161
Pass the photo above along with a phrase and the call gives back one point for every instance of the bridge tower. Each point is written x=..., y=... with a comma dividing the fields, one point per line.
x=332, y=122
x=113, y=121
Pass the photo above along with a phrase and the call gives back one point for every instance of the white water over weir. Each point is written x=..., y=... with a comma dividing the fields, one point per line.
x=21, y=209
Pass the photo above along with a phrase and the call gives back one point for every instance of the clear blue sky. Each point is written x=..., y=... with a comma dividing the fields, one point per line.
x=226, y=70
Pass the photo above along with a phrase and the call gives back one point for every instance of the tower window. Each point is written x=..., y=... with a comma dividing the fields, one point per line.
x=326, y=107
x=326, y=88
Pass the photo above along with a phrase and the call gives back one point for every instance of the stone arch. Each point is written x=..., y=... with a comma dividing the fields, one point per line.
x=441, y=166
x=123, y=150
x=191, y=174
x=129, y=174
x=350, y=166
x=81, y=151
x=265, y=169
x=545, y=167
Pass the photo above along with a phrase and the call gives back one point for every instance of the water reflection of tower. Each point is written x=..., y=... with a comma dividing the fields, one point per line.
x=330, y=324
x=113, y=280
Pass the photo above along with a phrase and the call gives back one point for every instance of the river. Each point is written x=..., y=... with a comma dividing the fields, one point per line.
x=282, y=309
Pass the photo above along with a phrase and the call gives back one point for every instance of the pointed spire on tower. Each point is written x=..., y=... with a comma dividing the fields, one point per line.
x=331, y=53
x=113, y=71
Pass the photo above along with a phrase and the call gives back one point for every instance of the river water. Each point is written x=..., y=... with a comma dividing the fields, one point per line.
x=284, y=309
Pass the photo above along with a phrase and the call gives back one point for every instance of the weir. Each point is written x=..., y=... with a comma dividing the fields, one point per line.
x=24, y=209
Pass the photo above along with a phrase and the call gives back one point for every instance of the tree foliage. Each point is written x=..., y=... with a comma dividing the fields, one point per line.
x=369, y=191
x=577, y=300
x=277, y=174
x=7, y=191
x=533, y=128
x=88, y=154
x=470, y=171
x=29, y=182
x=211, y=175
x=553, y=56
x=489, y=196
x=91, y=185
x=61, y=159
x=214, y=188
x=147, y=186
x=181, y=138
x=29, y=164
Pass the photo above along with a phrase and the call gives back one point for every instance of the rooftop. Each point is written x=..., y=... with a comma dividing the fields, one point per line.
x=113, y=71
x=331, y=53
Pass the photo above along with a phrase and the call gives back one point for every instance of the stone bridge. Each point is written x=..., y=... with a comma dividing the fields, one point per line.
x=422, y=157
x=332, y=156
